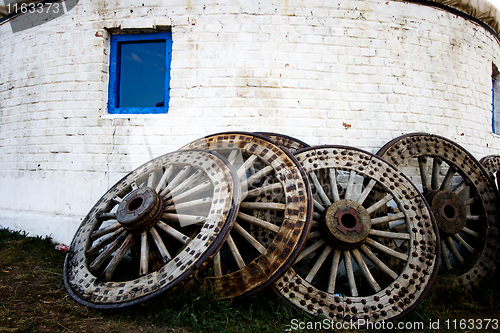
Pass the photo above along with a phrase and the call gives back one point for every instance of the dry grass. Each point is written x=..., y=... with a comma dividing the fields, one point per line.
x=33, y=299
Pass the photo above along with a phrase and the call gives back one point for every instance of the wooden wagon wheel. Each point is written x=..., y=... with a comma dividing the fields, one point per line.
x=247, y=264
x=288, y=142
x=153, y=230
x=343, y=271
x=491, y=164
x=462, y=198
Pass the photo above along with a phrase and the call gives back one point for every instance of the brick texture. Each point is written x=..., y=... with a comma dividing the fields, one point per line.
x=303, y=68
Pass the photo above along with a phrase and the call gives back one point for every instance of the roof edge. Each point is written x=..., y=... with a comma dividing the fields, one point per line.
x=482, y=12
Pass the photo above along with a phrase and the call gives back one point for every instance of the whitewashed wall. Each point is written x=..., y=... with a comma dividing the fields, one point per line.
x=350, y=72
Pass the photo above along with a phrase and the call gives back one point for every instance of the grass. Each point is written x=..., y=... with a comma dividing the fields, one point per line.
x=33, y=299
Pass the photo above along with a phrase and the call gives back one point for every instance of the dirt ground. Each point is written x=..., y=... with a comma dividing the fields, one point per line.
x=33, y=299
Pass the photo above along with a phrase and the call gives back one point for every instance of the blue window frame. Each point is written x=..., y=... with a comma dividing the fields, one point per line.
x=139, y=73
x=495, y=100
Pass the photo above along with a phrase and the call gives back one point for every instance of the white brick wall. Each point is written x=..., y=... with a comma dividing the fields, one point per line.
x=302, y=68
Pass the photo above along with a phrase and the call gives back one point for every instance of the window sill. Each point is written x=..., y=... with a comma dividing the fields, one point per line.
x=133, y=115
x=138, y=110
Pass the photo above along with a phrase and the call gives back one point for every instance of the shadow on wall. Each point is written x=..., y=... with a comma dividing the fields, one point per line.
x=26, y=14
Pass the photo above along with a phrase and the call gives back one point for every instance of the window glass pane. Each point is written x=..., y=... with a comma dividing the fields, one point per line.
x=142, y=74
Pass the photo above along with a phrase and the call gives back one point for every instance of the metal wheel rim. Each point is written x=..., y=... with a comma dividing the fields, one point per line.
x=491, y=164
x=177, y=255
x=288, y=142
x=285, y=239
x=480, y=257
x=318, y=291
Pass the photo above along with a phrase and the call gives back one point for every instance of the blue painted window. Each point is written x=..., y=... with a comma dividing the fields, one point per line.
x=495, y=100
x=139, y=73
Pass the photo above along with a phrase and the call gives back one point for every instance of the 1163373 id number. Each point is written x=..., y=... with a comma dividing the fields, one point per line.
x=34, y=8
x=471, y=324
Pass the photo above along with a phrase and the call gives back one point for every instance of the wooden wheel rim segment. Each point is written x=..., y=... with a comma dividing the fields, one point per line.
x=374, y=289
x=288, y=142
x=491, y=164
x=274, y=170
x=175, y=232
x=470, y=249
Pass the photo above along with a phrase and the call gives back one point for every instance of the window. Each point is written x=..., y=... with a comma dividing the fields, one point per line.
x=495, y=99
x=139, y=75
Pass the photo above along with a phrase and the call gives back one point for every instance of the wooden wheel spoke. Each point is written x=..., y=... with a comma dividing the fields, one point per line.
x=106, y=216
x=460, y=241
x=379, y=203
x=319, y=207
x=362, y=197
x=189, y=204
x=173, y=232
x=388, y=218
x=234, y=250
x=365, y=271
x=470, y=232
x=319, y=189
x=134, y=185
x=448, y=178
x=436, y=168
x=151, y=179
x=144, y=260
x=263, y=190
x=333, y=184
x=163, y=180
x=314, y=234
x=217, y=265
x=120, y=253
x=473, y=217
x=258, y=222
x=350, y=273
x=256, y=176
x=101, y=258
x=349, y=192
x=469, y=201
x=444, y=256
x=460, y=187
x=117, y=199
x=422, y=165
x=232, y=156
x=185, y=184
x=317, y=265
x=249, y=238
x=263, y=206
x=388, y=234
x=189, y=193
x=304, y=253
x=184, y=219
x=108, y=240
x=386, y=250
x=165, y=255
x=179, y=177
x=332, y=279
x=453, y=250
x=245, y=167
x=104, y=231
x=377, y=262
x=316, y=216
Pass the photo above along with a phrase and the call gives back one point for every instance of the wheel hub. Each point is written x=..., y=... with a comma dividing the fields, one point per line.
x=346, y=224
x=139, y=209
x=449, y=211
